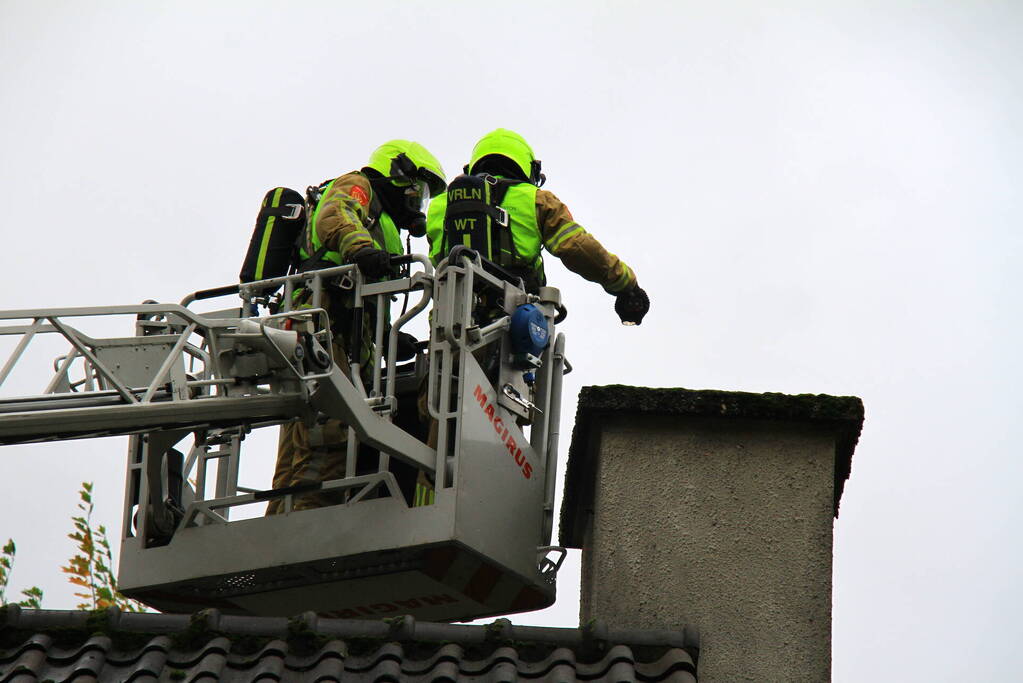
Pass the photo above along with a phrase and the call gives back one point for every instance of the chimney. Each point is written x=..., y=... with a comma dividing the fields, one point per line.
x=713, y=511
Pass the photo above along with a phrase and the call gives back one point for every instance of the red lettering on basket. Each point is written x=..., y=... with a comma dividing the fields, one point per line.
x=502, y=432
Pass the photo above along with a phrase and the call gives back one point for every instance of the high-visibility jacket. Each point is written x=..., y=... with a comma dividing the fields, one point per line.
x=536, y=218
x=521, y=252
x=347, y=218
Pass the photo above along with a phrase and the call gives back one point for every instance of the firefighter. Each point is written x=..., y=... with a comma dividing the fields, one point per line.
x=356, y=220
x=535, y=218
x=532, y=218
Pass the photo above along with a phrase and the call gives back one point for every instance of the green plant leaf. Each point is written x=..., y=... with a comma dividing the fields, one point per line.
x=33, y=598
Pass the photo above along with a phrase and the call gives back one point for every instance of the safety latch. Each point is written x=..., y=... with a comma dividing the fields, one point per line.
x=547, y=567
x=513, y=393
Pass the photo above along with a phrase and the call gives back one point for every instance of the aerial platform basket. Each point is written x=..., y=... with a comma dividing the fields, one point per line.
x=473, y=552
x=479, y=546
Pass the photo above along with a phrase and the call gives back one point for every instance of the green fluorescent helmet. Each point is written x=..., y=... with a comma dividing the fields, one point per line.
x=385, y=159
x=507, y=143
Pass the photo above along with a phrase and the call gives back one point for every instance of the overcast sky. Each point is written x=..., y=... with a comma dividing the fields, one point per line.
x=819, y=197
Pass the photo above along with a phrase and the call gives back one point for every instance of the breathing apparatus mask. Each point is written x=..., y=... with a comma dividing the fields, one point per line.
x=409, y=211
x=412, y=215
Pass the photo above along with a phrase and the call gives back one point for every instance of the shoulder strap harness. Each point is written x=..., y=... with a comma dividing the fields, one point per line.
x=474, y=217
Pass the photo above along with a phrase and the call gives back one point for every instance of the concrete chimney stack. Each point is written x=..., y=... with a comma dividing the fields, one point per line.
x=713, y=511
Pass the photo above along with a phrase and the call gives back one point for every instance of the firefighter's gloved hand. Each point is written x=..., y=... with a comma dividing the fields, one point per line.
x=406, y=346
x=374, y=263
x=632, y=305
x=417, y=225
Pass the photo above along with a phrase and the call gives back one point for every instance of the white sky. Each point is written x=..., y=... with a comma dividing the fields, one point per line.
x=819, y=198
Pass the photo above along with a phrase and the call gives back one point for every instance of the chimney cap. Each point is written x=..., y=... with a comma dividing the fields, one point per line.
x=844, y=414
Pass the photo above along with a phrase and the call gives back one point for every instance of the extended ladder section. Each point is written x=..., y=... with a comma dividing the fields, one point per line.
x=477, y=545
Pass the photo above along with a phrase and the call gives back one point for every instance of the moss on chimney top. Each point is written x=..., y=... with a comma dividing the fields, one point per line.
x=842, y=413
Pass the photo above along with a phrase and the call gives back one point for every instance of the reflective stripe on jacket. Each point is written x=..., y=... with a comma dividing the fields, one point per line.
x=536, y=217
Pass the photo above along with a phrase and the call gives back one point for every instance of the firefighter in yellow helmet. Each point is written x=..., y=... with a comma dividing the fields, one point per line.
x=356, y=219
x=524, y=219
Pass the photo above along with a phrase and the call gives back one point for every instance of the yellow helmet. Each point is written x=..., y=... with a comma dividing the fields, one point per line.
x=397, y=159
x=511, y=145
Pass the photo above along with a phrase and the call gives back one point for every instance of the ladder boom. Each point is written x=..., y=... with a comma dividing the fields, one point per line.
x=185, y=371
x=71, y=417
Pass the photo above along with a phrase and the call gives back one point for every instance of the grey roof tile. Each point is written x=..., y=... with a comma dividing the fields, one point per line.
x=328, y=668
x=38, y=645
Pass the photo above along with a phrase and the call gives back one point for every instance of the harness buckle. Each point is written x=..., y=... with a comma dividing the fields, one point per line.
x=492, y=180
x=296, y=211
x=502, y=217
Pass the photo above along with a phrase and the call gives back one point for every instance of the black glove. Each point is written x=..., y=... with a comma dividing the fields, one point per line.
x=407, y=346
x=632, y=305
x=416, y=225
x=374, y=263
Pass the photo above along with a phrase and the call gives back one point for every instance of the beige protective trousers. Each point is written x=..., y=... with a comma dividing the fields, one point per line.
x=307, y=455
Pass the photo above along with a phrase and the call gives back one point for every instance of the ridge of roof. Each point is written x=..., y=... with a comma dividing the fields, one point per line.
x=59, y=644
x=401, y=628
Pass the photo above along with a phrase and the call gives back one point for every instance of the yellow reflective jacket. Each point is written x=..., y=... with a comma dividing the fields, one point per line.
x=552, y=225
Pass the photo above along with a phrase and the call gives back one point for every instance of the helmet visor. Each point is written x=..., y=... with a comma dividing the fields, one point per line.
x=417, y=196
